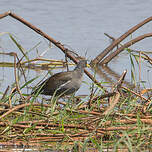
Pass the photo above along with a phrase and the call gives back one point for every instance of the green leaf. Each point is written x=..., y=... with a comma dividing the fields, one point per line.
x=19, y=47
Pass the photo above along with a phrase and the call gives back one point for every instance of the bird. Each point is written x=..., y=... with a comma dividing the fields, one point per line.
x=63, y=83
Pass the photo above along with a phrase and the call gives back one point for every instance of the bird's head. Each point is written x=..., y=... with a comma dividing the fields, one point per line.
x=82, y=64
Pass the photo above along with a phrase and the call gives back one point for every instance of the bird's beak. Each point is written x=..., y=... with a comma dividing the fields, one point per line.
x=88, y=65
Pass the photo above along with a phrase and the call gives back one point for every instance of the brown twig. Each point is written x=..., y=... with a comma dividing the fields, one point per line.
x=147, y=57
x=140, y=96
x=56, y=43
x=117, y=41
x=4, y=14
x=121, y=79
x=112, y=105
x=10, y=96
x=117, y=94
x=113, y=39
x=20, y=107
x=122, y=128
x=129, y=121
x=126, y=45
x=5, y=93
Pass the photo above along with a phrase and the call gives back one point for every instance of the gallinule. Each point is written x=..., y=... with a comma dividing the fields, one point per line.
x=63, y=83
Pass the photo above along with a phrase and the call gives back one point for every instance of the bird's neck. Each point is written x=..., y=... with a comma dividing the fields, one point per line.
x=79, y=70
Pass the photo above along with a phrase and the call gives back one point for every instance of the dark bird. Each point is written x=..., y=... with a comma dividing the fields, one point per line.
x=63, y=83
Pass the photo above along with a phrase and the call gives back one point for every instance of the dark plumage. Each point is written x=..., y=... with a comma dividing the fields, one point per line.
x=63, y=83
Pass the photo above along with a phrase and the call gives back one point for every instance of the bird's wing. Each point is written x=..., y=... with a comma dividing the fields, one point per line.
x=57, y=80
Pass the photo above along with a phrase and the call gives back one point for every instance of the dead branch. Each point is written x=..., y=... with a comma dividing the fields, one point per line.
x=117, y=41
x=112, y=105
x=20, y=107
x=117, y=94
x=138, y=95
x=5, y=93
x=126, y=45
x=56, y=43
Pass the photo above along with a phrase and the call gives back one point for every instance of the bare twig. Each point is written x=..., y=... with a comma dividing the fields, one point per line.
x=126, y=45
x=56, y=43
x=117, y=95
x=117, y=41
x=5, y=93
x=140, y=96
x=112, y=105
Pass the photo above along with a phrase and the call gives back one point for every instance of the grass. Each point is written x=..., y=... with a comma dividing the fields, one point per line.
x=71, y=123
x=59, y=122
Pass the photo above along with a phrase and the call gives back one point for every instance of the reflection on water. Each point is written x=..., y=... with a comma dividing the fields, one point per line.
x=109, y=75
